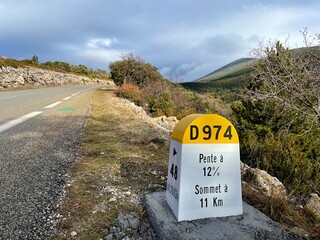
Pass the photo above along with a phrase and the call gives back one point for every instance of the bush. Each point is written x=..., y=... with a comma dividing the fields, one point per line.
x=143, y=84
x=130, y=91
x=162, y=105
x=8, y=62
x=292, y=158
x=134, y=70
x=279, y=120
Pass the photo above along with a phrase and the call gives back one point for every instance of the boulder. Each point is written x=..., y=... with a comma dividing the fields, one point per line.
x=167, y=122
x=264, y=182
x=19, y=80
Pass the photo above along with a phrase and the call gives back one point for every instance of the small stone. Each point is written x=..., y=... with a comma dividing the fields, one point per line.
x=112, y=199
x=122, y=222
x=109, y=237
x=73, y=233
x=127, y=193
x=267, y=184
x=120, y=235
x=134, y=222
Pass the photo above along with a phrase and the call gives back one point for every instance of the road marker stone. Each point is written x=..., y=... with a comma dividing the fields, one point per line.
x=204, y=168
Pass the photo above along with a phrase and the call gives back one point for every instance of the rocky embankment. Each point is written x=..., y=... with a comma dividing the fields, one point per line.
x=35, y=77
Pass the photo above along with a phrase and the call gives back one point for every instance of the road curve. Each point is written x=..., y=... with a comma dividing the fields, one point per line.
x=40, y=132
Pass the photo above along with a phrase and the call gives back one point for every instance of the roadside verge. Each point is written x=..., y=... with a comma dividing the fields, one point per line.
x=121, y=158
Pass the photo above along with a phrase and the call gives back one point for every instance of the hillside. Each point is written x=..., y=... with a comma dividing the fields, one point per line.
x=57, y=66
x=234, y=68
x=231, y=76
x=31, y=77
x=30, y=73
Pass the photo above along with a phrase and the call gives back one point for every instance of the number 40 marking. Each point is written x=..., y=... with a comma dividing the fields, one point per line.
x=174, y=171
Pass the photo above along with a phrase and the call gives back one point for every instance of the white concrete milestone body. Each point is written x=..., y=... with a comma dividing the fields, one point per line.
x=204, y=168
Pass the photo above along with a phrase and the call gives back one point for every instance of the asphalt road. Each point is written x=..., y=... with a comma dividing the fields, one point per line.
x=40, y=131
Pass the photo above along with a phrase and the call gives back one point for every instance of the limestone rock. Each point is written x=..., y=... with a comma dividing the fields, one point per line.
x=313, y=205
x=19, y=80
x=264, y=182
x=164, y=123
x=122, y=224
x=15, y=77
x=167, y=122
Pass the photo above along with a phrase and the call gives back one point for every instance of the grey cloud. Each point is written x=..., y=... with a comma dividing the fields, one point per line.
x=183, y=37
x=224, y=44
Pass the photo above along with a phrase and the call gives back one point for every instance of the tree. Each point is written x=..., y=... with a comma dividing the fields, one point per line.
x=290, y=80
x=35, y=60
x=133, y=69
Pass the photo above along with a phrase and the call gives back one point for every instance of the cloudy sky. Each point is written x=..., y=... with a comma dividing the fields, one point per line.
x=184, y=39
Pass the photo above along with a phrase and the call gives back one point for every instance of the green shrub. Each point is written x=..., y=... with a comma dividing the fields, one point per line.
x=8, y=62
x=291, y=157
x=133, y=69
x=157, y=95
x=162, y=105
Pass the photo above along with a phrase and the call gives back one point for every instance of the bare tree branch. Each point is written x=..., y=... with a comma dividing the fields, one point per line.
x=290, y=78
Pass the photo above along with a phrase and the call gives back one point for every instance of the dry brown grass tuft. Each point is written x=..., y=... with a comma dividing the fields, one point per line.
x=291, y=217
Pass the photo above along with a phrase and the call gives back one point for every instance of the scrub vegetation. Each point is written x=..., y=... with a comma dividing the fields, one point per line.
x=58, y=66
x=144, y=85
x=278, y=117
x=274, y=98
x=275, y=101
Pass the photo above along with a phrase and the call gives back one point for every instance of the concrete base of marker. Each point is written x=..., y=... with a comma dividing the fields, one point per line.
x=251, y=225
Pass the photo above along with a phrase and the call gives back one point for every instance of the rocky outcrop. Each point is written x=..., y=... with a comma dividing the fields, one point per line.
x=261, y=181
x=16, y=77
x=165, y=123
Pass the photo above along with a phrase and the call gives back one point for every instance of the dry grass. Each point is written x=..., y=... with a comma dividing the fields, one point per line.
x=121, y=158
x=291, y=217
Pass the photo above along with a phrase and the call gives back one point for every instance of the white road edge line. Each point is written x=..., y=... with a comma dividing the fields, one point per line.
x=67, y=98
x=73, y=94
x=53, y=104
x=18, y=120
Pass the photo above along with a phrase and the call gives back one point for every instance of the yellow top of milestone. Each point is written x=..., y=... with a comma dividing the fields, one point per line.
x=205, y=128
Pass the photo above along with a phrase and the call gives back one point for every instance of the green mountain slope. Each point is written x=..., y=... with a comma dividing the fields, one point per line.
x=234, y=68
x=231, y=76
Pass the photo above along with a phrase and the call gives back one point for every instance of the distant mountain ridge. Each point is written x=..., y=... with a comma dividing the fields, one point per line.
x=231, y=76
x=238, y=65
